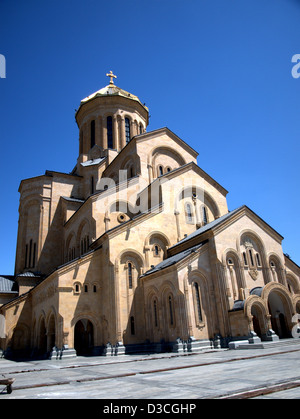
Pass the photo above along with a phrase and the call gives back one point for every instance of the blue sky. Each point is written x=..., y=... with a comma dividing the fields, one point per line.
x=216, y=72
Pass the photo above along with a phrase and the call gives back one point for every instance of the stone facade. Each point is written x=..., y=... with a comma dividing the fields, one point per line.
x=135, y=249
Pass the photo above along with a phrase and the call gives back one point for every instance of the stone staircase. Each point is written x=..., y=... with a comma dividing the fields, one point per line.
x=244, y=344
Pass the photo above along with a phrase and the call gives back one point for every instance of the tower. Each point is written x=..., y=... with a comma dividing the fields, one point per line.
x=108, y=119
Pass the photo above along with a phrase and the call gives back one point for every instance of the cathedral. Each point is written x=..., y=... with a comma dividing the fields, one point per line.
x=135, y=250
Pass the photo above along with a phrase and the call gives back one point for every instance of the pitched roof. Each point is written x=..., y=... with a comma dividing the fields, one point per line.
x=208, y=226
x=174, y=259
x=8, y=284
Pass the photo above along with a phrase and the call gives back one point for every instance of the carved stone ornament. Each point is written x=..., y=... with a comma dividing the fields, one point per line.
x=254, y=274
x=248, y=243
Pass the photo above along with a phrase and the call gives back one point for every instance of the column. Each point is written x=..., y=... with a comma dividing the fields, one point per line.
x=123, y=139
x=104, y=134
x=177, y=213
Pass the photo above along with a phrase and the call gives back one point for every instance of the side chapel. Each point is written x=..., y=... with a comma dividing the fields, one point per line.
x=135, y=250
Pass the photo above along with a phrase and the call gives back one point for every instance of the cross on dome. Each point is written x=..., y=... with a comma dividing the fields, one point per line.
x=112, y=76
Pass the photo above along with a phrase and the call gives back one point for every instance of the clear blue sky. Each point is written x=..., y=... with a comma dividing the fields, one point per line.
x=216, y=72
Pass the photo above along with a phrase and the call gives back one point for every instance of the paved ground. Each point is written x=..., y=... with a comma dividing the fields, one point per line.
x=252, y=373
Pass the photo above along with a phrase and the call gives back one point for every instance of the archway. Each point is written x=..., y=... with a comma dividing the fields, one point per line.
x=280, y=314
x=258, y=320
x=42, y=342
x=84, y=337
x=51, y=333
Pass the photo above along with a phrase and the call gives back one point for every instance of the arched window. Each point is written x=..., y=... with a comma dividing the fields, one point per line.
x=127, y=130
x=156, y=250
x=129, y=267
x=92, y=185
x=92, y=133
x=204, y=215
x=258, y=261
x=84, y=245
x=132, y=327
x=171, y=311
x=189, y=215
x=109, y=126
x=251, y=257
x=155, y=313
x=160, y=170
x=198, y=302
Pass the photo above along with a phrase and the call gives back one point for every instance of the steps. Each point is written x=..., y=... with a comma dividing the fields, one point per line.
x=264, y=345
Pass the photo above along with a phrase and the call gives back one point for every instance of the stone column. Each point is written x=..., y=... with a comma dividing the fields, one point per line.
x=177, y=213
x=123, y=139
x=104, y=134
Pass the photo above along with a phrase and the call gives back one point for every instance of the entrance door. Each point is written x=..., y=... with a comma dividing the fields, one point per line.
x=84, y=337
x=280, y=313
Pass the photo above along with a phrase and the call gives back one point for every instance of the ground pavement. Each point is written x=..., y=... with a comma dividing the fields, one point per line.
x=272, y=372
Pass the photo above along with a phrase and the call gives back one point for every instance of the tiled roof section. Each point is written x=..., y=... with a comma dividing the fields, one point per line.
x=67, y=198
x=8, y=284
x=92, y=162
x=174, y=259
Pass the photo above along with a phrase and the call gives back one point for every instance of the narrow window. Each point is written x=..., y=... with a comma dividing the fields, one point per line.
x=127, y=130
x=76, y=288
x=189, y=213
x=198, y=302
x=34, y=253
x=251, y=257
x=155, y=313
x=132, y=328
x=30, y=254
x=245, y=259
x=204, y=214
x=156, y=250
x=109, y=126
x=141, y=129
x=258, y=259
x=160, y=171
x=94, y=288
x=26, y=256
x=130, y=275
x=92, y=133
x=85, y=288
x=171, y=311
x=92, y=185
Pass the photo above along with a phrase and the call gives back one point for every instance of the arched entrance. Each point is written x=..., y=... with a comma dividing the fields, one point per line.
x=42, y=338
x=280, y=314
x=84, y=337
x=256, y=320
x=51, y=333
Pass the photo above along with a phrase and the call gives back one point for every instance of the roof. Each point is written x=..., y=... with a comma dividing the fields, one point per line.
x=172, y=260
x=208, y=226
x=92, y=162
x=8, y=284
x=111, y=90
